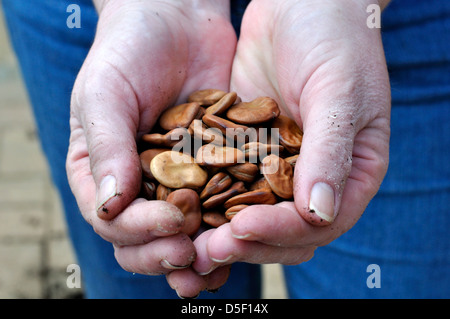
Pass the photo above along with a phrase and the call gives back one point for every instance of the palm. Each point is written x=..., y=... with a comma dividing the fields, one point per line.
x=318, y=72
x=159, y=58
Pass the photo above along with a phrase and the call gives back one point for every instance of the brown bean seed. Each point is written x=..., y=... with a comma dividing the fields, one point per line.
x=162, y=192
x=292, y=160
x=219, y=199
x=206, y=97
x=218, y=183
x=201, y=113
x=179, y=116
x=245, y=172
x=178, y=136
x=227, y=127
x=177, y=170
x=208, y=135
x=259, y=196
x=188, y=202
x=215, y=155
x=222, y=105
x=258, y=150
x=232, y=211
x=260, y=183
x=279, y=175
x=259, y=110
x=290, y=134
x=146, y=157
x=214, y=218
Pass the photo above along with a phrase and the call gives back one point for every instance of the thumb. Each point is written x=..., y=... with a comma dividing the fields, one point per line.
x=115, y=168
x=324, y=163
x=108, y=120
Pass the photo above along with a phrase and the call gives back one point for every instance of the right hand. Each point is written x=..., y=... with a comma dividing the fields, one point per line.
x=147, y=55
x=327, y=71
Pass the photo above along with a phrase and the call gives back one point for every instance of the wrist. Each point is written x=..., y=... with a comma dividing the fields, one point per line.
x=217, y=5
x=195, y=11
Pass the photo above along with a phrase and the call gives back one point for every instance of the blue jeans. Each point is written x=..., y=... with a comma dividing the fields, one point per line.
x=404, y=231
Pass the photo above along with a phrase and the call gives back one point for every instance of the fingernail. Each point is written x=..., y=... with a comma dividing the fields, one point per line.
x=174, y=223
x=220, y=261
x=208, y=271
x=322, y=201
x=241, y=236
x=168, y=265
x=107, y=190
x=182, y=297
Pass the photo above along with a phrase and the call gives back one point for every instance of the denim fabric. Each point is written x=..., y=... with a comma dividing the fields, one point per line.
x=405, y=228
x=237, y=11
x=50, y=55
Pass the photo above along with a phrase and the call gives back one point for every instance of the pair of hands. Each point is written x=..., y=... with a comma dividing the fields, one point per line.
x=318, y=59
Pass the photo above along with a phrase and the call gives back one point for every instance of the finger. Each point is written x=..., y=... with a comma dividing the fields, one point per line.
x=109, y=128
x=325, y=160
x=141, y=222
x=157, y=257
x=339, y=145
x=275, y=225
x=203, y=265
x=218, y=278
x=187, y=283
x=222, y=248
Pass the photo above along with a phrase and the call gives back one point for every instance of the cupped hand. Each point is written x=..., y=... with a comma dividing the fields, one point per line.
x=147, y=55
x=326, y=69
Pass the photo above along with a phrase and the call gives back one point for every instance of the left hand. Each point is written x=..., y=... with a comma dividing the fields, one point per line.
x=147, y=55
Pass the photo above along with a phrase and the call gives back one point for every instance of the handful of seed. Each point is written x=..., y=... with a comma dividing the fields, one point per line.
x=215, y=155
